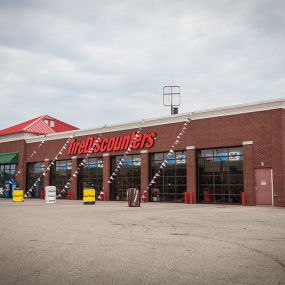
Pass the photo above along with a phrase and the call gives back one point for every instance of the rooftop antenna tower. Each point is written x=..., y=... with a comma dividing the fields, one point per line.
x=171, y=97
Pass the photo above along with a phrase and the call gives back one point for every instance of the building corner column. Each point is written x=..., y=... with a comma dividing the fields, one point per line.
x=191, y=172
x=74, y=165
x=145, y=172
x=106, y=175
x=22, y=164
x=248, y=173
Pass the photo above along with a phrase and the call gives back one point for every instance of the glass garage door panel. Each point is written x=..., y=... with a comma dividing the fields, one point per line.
x=91, y=175
x=220, y=175
x=129, y=176
x=34, y=171
x=171, y=184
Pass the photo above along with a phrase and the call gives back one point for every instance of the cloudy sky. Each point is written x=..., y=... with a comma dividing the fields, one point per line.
x=95, y=62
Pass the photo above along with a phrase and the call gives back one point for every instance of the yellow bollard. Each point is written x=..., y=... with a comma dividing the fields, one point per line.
x=18, y=195
x=89, y=196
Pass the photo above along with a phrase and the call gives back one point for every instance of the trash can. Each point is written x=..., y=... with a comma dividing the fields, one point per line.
x=18, y=195
x=89, y=196
x=134, y=197
x=50, y=194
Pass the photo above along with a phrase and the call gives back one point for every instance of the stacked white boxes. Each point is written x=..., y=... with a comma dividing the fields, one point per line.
x=50, y=196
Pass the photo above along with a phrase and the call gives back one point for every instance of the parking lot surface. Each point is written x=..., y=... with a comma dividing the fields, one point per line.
x=158, y=243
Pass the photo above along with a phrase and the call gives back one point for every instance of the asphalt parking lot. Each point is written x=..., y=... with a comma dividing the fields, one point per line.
x=159, y=243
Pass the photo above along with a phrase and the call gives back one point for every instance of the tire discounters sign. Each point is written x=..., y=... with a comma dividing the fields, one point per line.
x=112, y=144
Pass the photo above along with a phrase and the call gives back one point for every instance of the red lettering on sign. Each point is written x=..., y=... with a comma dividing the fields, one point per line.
x=88, y=144
x=76, y=145
x=144, y=138
x=104, y=144
x=132, y=138
x=81, y=147
x=112, y=144
x=125, y=142
x=118, y=143
x=71, y=144
x=137, y=142
x=97, y=146
x=150, y=140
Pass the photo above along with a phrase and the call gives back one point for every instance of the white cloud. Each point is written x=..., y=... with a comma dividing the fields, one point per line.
x=106, y=62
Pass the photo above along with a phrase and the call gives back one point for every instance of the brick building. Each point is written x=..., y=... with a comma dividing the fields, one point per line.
x=224, y=152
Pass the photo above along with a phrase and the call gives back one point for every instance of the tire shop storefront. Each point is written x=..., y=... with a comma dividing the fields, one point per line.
x=224, y=152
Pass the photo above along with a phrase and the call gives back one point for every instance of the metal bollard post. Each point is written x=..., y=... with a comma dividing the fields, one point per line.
x=185, y=198
x=243, y=199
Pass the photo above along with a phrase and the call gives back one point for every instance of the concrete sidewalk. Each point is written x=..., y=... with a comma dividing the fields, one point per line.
x=159, y=243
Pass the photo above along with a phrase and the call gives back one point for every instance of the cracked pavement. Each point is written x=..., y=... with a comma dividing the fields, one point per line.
x=158, y=243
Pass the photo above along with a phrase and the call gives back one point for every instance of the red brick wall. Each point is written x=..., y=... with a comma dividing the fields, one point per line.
x=248, y=174
x=265, y=129
x=74, y=165
x=280, y=199
x=191, y=173
x=106, y=176
x=145, y=173
x=277, y=158
x=47, y=176
x=17, y=146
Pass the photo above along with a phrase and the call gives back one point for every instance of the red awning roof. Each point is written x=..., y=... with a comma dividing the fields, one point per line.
x=39, y=126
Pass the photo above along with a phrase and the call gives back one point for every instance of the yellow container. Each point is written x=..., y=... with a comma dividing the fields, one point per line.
x=89, y=196
x=18, y=195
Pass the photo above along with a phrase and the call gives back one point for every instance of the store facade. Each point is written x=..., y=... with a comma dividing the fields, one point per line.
x=224, y=152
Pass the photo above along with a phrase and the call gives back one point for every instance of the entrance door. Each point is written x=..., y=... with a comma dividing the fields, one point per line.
x=263, y=186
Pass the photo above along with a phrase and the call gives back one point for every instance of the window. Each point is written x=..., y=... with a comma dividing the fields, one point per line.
x=52, y=124
x=60, y=174
x=91, y=175
x=7, y=173
x=220, y=175
x=34, y=171
x=171, y=184
x=129, y=176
